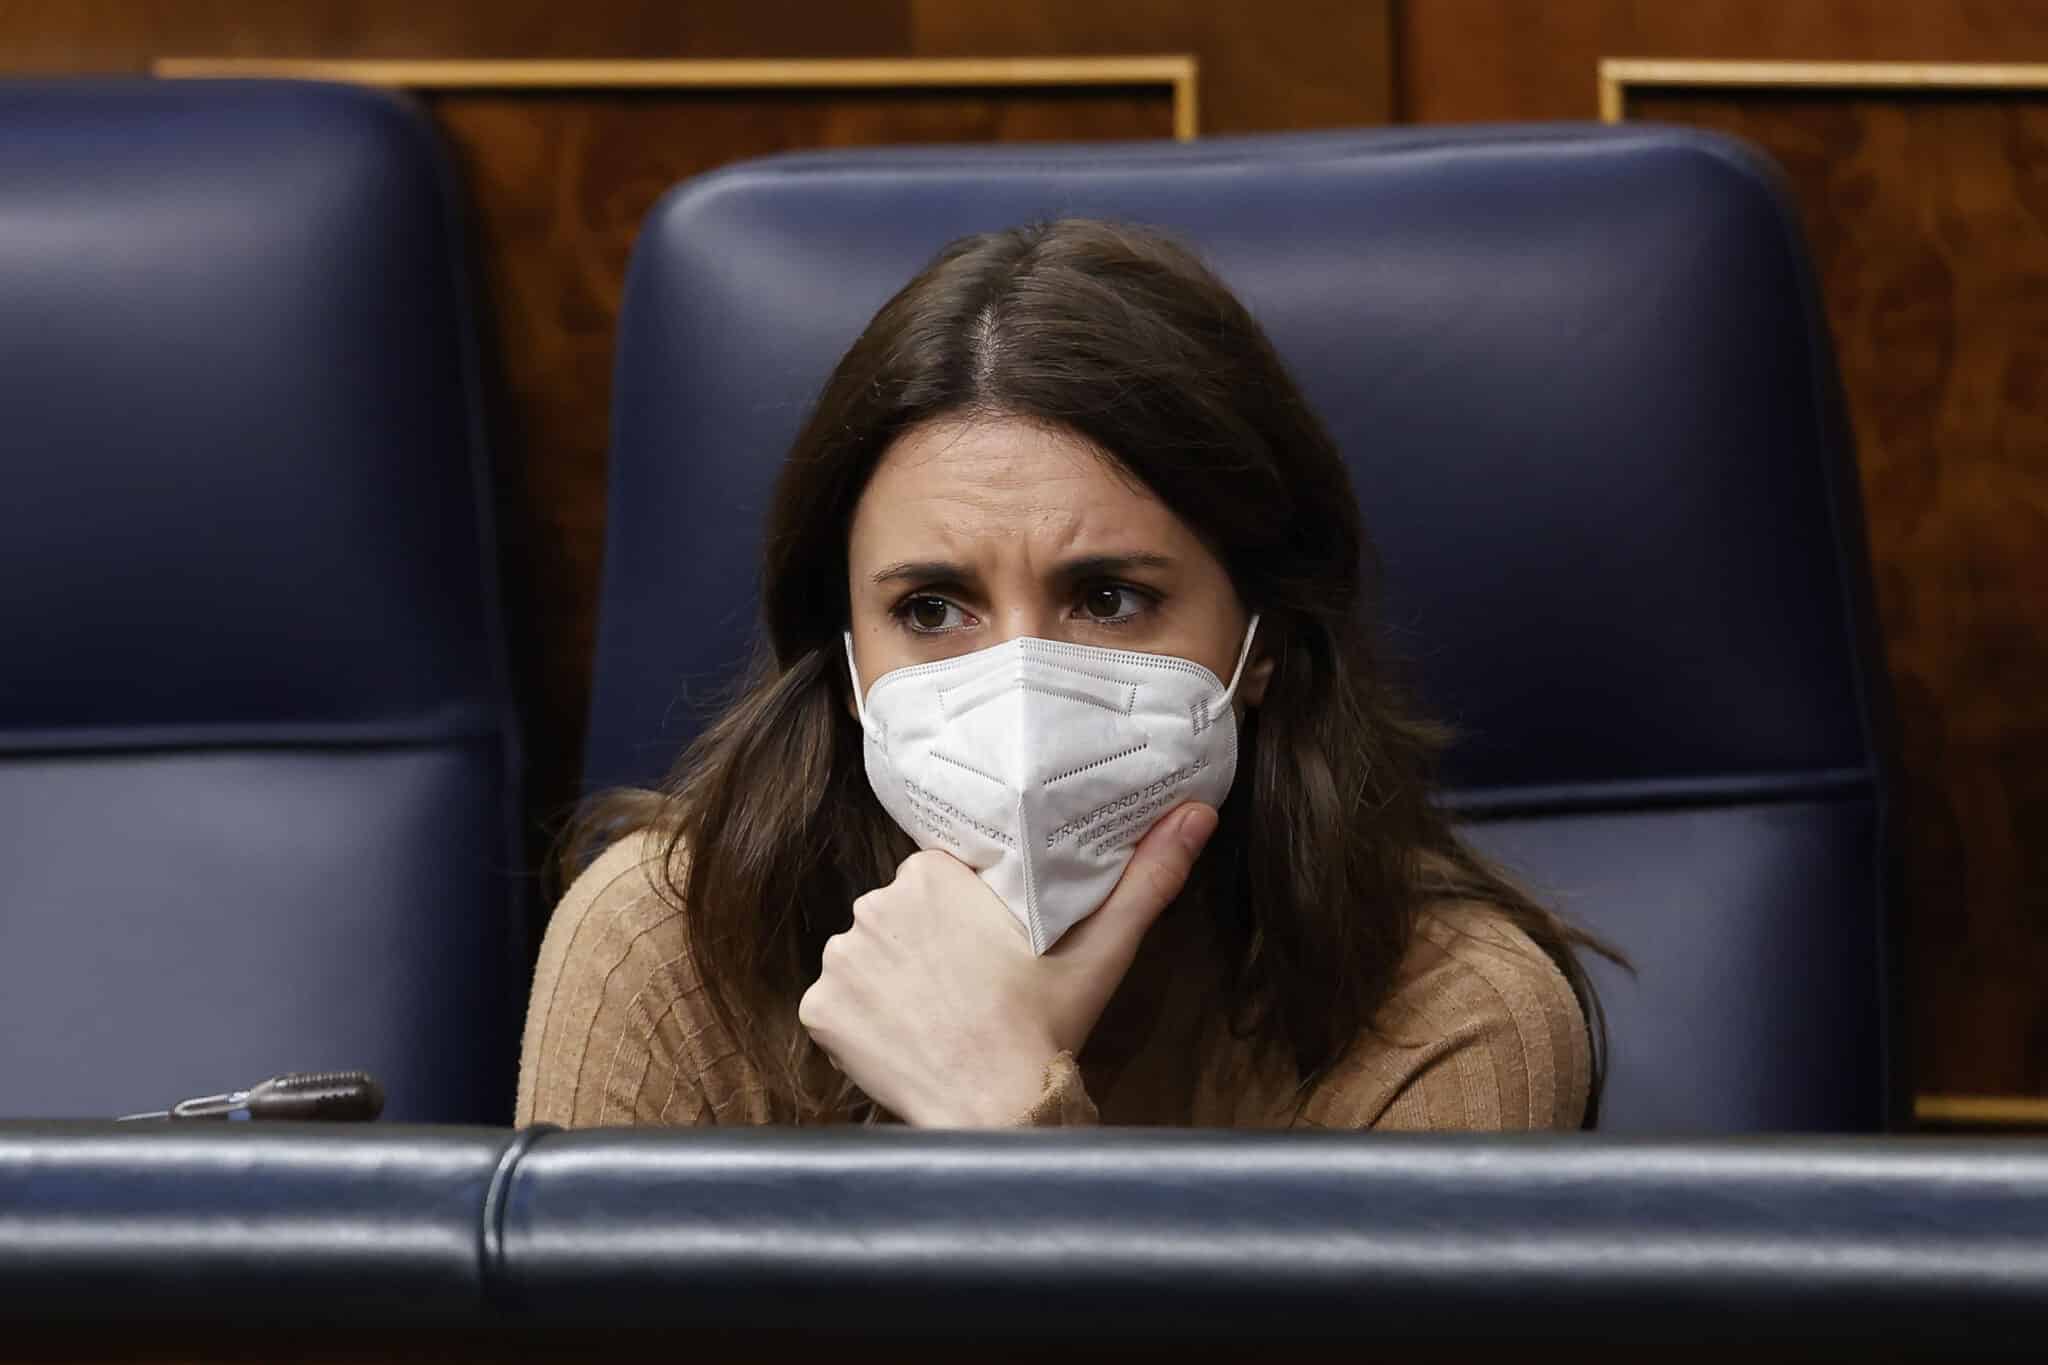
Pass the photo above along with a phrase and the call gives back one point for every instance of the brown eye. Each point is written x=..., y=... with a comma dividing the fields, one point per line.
x=1104, y=604
x=929, y=613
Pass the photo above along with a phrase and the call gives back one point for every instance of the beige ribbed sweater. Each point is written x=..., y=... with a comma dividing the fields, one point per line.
x=1481, y=1032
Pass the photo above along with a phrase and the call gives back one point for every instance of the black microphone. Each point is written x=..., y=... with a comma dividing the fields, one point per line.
x=333, y=1095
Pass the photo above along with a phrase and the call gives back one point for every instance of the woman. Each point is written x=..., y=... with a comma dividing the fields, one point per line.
x=987, y=838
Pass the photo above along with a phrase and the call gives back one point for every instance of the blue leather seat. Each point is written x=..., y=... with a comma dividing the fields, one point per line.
x=1589, y=405
x=258, y=799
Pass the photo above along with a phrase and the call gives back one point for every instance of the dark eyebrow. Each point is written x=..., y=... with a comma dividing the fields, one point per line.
x=1108, y=566
x=1088, y=566
x=926, y=570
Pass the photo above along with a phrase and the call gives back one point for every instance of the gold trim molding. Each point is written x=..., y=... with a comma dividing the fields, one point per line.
x=1983, y=1111
x=1618, y=75
x=1177, y=73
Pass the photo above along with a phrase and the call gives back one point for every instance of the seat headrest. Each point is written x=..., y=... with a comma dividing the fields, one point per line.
x=1578, y=374
x=242, y=450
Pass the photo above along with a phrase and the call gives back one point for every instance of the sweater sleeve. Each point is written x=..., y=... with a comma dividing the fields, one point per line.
x=614, y=1023
x=1482, y=1034
x=1064, y=1102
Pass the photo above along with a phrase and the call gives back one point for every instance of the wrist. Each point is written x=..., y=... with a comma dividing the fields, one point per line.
x=1000, y=1094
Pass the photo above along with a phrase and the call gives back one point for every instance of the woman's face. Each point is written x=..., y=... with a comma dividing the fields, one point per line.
x=976, y=531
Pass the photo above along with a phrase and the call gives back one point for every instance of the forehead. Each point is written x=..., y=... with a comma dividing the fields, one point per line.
x=961, y=485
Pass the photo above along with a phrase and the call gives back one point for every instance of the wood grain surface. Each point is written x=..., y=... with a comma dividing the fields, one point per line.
x=1265, y=66
x=1462, y=61
x=1276, y=64
x=123, y=35
x=1928, y=217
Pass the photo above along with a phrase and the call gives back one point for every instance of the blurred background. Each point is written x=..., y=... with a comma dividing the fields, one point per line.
x=1923, y=181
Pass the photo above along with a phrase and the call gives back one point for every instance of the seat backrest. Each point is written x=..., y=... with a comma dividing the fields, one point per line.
x=258, y=794
x=1589, y=407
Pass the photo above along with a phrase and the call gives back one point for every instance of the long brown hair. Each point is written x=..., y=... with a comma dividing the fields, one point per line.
x=1329, y=842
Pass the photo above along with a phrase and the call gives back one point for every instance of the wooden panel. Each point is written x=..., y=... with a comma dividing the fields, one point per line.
x=560, y=183
x=122, y=35
x=1928, y=216
x=1482, y=60
x=1279, y=64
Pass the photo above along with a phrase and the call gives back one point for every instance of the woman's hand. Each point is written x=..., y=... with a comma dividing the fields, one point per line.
x=933, y=1004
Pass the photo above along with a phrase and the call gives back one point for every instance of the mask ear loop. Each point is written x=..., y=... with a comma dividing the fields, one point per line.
x=860, y=707
x=1236, y=675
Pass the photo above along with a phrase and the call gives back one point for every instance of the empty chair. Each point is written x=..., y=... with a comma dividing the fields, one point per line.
x=258, y=798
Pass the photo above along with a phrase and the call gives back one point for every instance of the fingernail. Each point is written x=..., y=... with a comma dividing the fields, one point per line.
x=1197, y=823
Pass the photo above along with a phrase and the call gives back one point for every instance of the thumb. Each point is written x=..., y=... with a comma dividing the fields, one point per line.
x=1155, y=875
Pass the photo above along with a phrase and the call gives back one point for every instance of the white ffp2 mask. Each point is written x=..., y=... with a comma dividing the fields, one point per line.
x=1040, y=764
